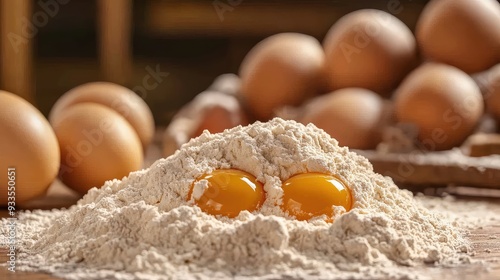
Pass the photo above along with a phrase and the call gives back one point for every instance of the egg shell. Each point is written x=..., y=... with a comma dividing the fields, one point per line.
x=226, y=83
x=283, y=69
x=218, y=118
x=97, y=144
x=492, y=92
x=462, y=33
x=27, y=144
x=211, y=110
x=119, y=98
x=370, y=49
x=353, y=116
x=442, y=101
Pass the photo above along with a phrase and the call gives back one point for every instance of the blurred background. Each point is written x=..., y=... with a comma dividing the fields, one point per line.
x=167, y=51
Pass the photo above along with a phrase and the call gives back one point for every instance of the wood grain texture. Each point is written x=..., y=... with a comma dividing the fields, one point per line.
x=258, y=18
x=115, y=32
x=17, y=31
x=438, y=168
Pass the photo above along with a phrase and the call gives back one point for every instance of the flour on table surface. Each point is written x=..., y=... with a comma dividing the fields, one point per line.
x=146, y=227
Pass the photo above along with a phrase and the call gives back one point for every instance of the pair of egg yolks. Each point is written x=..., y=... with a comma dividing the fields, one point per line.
x=308, y=195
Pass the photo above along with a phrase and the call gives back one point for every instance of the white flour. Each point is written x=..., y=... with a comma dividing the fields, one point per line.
x=143, y=227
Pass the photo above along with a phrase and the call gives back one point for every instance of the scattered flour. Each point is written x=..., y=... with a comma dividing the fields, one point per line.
x=144, y=226
x=467, y=214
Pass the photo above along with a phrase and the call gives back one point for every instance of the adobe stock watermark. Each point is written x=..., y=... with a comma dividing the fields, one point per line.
x=150, y=81
x=94, y=137
x=223, y=6
x=452, y=118
x=10, y=232
x=363, y=36
x=31, y=26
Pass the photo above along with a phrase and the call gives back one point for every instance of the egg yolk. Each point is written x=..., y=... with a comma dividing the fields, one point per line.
x=227, y=192
x=313, y=194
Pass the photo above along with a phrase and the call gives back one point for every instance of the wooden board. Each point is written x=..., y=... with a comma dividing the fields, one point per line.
x=437, y=168
x=258, y=18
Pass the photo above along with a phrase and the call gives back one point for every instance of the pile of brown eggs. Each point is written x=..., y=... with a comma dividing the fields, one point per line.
x=97, y=132
x=371, y=71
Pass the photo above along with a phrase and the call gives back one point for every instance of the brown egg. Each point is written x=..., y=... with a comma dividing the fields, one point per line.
x=28, y=144
x=462, y=33
x=484, y=79
x=492, y=92
x=226, y=83
x=119, y=98
x=284, y=69
x=443, y=102
x=210, y=110
x=369, y=49
x=97, y=144
x=353, y=116
x=218, y=118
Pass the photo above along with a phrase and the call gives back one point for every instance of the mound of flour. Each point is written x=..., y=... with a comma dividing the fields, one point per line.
x=145, y=226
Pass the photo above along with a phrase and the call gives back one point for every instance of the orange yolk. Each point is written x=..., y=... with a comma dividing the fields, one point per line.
x=228, y=192
x=310, y=195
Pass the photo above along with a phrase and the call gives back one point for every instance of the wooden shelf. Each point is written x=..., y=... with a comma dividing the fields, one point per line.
x=259, y=18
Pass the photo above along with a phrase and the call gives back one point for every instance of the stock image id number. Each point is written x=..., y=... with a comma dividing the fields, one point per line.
x=11, y=191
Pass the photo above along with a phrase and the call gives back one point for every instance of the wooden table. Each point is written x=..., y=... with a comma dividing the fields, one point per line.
x=486, y=248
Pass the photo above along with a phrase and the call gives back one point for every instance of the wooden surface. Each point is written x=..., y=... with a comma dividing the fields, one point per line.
x=486, y=240
x=16, y=47
x=115, y=44
x=437, y=168
x=258, y=18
